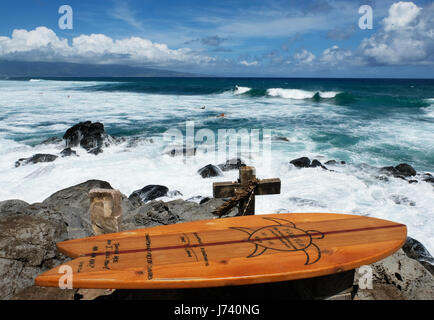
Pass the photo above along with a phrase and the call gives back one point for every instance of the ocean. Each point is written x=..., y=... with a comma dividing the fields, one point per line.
x=365, y=122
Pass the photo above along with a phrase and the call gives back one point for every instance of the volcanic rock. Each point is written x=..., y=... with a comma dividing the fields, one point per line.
x=37, y=158
x=148, y=193
x=209, y=171
x=232, y=164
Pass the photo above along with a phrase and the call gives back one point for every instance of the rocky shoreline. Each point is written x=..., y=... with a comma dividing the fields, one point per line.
x=29, y=232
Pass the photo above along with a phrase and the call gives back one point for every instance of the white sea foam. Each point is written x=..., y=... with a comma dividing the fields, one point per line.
x=299, y=94
x=429, y=111
x=241, y=90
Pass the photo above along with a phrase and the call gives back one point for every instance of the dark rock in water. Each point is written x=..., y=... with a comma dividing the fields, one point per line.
x=303, y=162
x=415, y=250
x=96, y=151
x=183, y=151
x=284, y=139
x=204, y=200
x=382, y=178
x=331, y=163
x=88, y=135
x=27, y=248
x=68, y=152
x=232, y=164
x=401, y=170
x=199, y=199
x=315, y=163
x=403, y=200
x=406, y=170
x=37, y=158
x=52, y=140
x=427, y=177
x=148, y=193
x=334, y=163
x=209, y=171
x=174, y=193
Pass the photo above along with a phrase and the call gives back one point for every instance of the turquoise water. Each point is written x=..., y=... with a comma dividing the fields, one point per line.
x=362, y=116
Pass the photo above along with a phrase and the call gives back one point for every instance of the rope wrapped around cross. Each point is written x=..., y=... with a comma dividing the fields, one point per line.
x=240, y=194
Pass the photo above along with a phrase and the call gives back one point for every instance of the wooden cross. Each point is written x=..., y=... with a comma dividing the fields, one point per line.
x=247, y=176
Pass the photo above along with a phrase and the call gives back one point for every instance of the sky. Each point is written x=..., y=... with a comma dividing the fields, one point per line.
x=270, y=38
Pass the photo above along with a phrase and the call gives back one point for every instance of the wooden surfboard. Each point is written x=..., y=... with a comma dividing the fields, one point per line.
x=230, y=251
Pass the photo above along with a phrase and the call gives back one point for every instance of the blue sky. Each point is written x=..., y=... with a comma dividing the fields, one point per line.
x=228, y=38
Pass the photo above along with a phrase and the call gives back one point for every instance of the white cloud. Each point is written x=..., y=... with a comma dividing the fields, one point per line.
x=249, y=64
x=401, y=15
x=335, y=55
x=407, y=37
x=42, y=44
x=304, y=57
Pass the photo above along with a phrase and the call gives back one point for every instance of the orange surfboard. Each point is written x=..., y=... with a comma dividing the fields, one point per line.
x=230, y=251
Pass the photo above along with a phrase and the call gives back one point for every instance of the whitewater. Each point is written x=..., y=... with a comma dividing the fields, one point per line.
x=32, y=111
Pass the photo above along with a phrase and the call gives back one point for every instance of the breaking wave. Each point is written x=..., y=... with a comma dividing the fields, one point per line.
x=299, y=94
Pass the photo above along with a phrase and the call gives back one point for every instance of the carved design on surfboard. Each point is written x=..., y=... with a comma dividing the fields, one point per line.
x=284, y=236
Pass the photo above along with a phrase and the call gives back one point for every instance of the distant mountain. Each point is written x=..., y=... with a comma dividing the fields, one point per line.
x=64, y=69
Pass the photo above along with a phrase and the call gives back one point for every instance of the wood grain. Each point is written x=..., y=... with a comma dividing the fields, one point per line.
x=230, y=251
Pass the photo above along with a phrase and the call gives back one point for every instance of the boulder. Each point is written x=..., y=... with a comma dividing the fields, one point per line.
x=199, y=199
x=401, y=170
x=162, y=213
x=37, y=158
x=427, y=177
x=88, y=135
x=209, y=171
x=10, y=207
x=73, y=204
x=303, y=162
x=148, y=193
x=27, y=248
x=67, y=152
x=334, y=163
x=315, y=163
x=397, y=277
x=232, y=164
x=95, y=151
x=415, y=250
